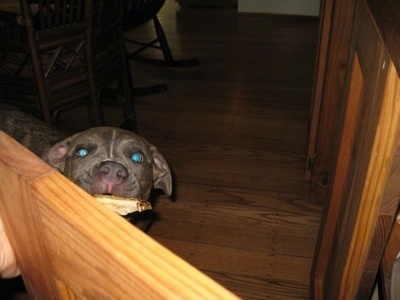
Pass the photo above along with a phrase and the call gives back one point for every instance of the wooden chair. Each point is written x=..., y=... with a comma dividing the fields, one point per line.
x=44, y=52
x=69, y=246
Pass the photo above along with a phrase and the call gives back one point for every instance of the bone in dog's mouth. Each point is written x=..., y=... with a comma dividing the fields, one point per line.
x=123, y=205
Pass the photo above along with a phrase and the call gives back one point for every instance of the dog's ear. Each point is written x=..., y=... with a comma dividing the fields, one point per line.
x=56, y=155
x=162, y=178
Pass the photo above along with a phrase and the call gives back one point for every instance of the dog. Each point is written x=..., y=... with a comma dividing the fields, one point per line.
x=101, y=160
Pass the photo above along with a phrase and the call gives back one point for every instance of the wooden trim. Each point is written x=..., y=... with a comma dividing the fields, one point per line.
x=319, y=77
x=377, y=192
x=329, y=223
x=329, y=87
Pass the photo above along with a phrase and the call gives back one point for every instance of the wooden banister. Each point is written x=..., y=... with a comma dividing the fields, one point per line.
x=69, y=246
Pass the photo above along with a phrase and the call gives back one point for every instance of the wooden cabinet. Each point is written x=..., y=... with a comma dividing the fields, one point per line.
x=363, y=191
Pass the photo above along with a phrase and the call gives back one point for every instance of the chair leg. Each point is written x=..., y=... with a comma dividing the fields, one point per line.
x=168, y=60
x=96, y=115
x=128, y=107
x=162, y=39
x=130, y=123
x=126, y=95
x=95, y=108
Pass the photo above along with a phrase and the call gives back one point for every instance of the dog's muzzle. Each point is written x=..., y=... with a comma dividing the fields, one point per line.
x=112, y=173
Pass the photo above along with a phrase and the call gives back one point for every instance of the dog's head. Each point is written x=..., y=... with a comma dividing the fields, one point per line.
x=108, y=160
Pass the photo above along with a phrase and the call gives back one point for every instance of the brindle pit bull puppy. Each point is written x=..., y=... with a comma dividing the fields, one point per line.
x=101, y=160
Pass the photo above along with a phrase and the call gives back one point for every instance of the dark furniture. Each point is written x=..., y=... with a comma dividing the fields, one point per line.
x=58, y=54
x=43, y=55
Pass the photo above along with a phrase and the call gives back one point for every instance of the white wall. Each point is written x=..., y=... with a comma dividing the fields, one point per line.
x=287, y=7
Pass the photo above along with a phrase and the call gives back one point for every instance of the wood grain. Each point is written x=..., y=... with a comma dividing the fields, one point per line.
x=335, y=43
x=16, y=175
x=330, y=219
x=363, y=198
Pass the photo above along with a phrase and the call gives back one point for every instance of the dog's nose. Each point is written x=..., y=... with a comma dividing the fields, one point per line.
x=113, y=171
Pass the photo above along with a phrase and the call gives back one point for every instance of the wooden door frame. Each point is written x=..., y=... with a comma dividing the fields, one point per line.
x=336, y=22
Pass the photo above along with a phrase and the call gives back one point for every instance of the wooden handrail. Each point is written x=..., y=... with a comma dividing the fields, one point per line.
x=69, y=246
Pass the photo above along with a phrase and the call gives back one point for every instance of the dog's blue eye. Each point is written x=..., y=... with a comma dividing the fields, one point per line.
x=82, y=152
x=137, y=157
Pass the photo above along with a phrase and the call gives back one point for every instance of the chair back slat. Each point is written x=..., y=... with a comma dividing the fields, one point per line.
x=55, y=13
x=107, y=23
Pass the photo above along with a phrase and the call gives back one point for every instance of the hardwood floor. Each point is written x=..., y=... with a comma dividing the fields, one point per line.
x=234, y=131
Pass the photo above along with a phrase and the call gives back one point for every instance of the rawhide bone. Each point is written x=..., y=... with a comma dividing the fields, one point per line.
x=123, y=206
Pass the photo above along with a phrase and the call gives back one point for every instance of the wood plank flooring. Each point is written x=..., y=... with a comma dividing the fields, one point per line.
x=234, y=131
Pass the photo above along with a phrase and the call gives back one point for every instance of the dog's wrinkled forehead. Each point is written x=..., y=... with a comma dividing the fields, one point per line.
x=117, y=140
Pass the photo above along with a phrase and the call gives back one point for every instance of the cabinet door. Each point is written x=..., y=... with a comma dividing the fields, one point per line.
x=363, y=194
